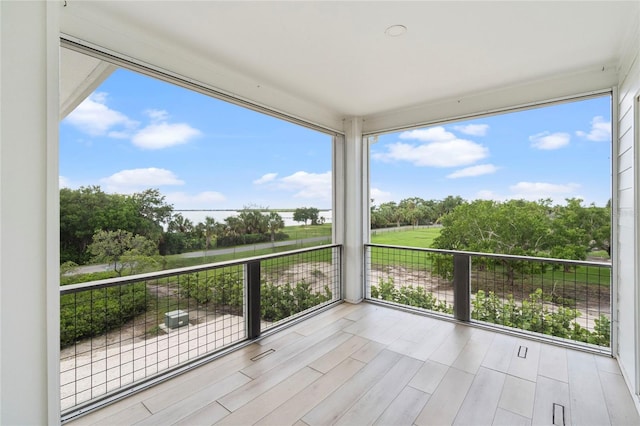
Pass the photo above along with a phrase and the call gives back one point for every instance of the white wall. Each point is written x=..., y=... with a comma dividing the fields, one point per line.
x=628, y=248
x=28, y=213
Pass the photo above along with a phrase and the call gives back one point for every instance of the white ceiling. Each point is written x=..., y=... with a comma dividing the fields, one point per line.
x=335, y=55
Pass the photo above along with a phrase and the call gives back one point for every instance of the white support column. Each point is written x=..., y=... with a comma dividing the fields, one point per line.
x=353, y=208
x=29, y=392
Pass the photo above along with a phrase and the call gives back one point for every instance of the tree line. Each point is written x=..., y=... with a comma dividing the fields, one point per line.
x=124, y=229
x=528, y=228
x=95, y=225
x=412, y=211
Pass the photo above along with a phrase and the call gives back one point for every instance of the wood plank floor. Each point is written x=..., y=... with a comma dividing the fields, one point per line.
x=366, y=364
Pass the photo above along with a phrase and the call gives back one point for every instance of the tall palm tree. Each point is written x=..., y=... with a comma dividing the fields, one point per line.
x=274, y=223
x=209, y=231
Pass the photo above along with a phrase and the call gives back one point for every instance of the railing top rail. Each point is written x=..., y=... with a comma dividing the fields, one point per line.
x=111, y=282
x=498, y=256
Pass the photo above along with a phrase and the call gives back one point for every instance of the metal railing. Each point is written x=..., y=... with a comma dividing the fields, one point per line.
x=564, y=300
x=124, y=332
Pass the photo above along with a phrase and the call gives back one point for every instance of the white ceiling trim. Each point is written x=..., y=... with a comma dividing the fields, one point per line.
x=322, y=62
x=129, y=42
x=79, y=76
x=529, y=95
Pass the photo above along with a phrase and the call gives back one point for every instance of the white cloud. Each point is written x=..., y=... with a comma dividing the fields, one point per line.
x=432, y=134
x=379, y=196
x=549, y=141
x=64, y=182
x=541, y=190
x=202, y=200
x=313, y=186
x=534, y=191
x=157, y=115
x=600, y=130
x=164, y=135
x=450, y=153
x=473, y=129
x=479, y=170
x=487, y=194
x=308, y=185
x=269, y=177
x=128, y=181
x=95, y=118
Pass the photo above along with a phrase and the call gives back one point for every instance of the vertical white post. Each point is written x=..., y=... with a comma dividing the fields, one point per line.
x=354, y=210
x=29, y=33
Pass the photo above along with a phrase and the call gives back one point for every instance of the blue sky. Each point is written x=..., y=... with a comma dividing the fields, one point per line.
x=557, y=152
x=135, y=132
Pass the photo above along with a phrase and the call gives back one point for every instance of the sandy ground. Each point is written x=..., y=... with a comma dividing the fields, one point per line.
x=106, y=363
x=96, y=366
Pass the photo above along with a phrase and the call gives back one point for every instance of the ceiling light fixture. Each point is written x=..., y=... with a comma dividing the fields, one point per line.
x=395, y=30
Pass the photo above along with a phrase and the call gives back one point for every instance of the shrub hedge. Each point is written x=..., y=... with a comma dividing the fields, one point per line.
x=277, y=301
x=95, y=312
x=237, y=240
x=530, y=315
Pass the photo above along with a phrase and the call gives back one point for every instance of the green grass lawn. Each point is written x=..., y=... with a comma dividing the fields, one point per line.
x=176, y=261
x=422, y=237
x=299, y=232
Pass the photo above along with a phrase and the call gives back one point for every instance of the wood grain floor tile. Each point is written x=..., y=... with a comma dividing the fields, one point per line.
x=444, y=404
x=404, y=409
x=359, y=364
x=480, y=404
x=473, y=353
x=296, y=407
x=429, y=376
x=205, y=416
x=548, y=393
x=239, y=397
x=500, y=353
x=525, y=359
x=184, y=408
x=339, y=354
x=622, y=410
x=373, y=403
x=269, y=400
x=335, y=405
x=518, y=396
x=507, y=418
x=553, y=363
x=588, y=406
x=450, y=348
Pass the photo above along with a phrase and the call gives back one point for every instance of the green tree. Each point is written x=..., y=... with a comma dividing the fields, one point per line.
x=515, y=227
x=577, y=230
x=390, y=213
x=304, y=214
x=254, y=221
x=235, y=226
x=415, y=211
x=85, y=210
x=209, y=230
x=448, y=205
x=153, y=213
x=179, y=223
x=274, y=223
x=122, y=249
